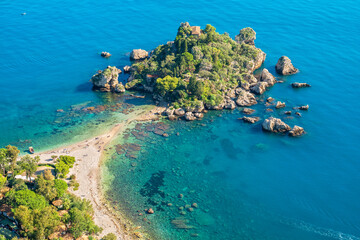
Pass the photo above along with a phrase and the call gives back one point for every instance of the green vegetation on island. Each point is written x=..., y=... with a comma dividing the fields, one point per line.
x=42, y=207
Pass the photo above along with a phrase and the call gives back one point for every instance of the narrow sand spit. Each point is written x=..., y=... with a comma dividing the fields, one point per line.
x=88, y=156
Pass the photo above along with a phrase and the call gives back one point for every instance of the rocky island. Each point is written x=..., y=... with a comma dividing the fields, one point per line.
x=200, y=70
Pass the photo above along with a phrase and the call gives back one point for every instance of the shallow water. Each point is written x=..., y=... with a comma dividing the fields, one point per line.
x=247, y=184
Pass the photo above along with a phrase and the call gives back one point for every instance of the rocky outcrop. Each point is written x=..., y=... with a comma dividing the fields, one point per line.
x=229, y=104
x=275, y=125
x=280, y=104
x=246, y=35
x=250, y=119
x=189, y=116
x=105, y=54
x=259, y=88
x=305, y=107
x=296, y=131
x=179, y=112
x=106, y=80
x=259, y=60
x=127, y=69
x=285, y=67
x=119, y=88
x=245, y=99
x=300, y=85
x=169, y=111
x=267, y=77
x=138, y=54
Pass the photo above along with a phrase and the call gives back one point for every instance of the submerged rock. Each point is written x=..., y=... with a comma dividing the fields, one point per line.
x=248, y=110
x=138, y=54
x=275, y=125
x=300, y=85
x=250, y=119
x=296, y=131
x=285, y=67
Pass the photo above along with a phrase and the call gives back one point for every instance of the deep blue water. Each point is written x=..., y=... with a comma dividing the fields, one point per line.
x=274, y=187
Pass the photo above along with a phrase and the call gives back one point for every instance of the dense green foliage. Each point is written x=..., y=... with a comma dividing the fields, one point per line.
x=195, y=68
x=34, y=205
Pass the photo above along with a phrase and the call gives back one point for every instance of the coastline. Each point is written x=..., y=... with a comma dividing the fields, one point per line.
x=90, y=156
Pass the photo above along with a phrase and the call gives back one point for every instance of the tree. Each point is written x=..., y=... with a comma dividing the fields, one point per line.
x=191, y=87
x=29, y=164
x=48, y=175
x=60, y=186
x=3, y=160
x=166, y=84
x=68, y=160
x=26, y=198
x=81, y=222
x=24, y=215
x=45, y=188
x=109, y=236
x=61, y=169
x=2, y=180
x=12, y=154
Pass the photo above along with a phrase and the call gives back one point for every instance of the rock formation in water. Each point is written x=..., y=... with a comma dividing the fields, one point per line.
x=138, y=54
x=275, y=125
x=300, y=85
x=296, y=131
x=285, y=67
x=107, y=80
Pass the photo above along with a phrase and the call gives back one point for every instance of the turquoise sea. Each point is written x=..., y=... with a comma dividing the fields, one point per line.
x=247, y=184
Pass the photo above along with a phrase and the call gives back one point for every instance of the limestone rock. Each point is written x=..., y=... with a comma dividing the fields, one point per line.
x=172, y=118
x=246, y=35
x=280, y=104
x=285, y=67
x=230, y=104
x=138, y=54
x=179, y=112
x=189, y=116
x=119, y=88
x=199, y=115
x=300, y=85
x=275, y=125
x=107, y=79
x=296, y=131
x=248, y=110
x=169, y=111
x=250, y=119
x=250, y=78
x=267, y=77
x=259, y=60
x=105, y=54
x=245, y=99
x=259, y=88
x=127, y=69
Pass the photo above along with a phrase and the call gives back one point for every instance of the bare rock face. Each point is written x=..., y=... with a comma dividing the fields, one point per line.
x=280, y=104
x=106, y=80
x=189, y=116
x=245, y=99
x=230, y=104
x=179, y=112
x=296, y=131
x=285, y=67
x=259, y=60
x=105, y=54
x=300, y=85
x=250, y=119
x=259, y=88
x=127, y=69
x=267, y=77
x=246, y=35
x=275, y=125
x=138, y=54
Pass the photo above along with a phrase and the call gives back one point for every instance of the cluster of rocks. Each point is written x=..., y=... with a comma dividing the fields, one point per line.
x=276, y=125
x=107, y=80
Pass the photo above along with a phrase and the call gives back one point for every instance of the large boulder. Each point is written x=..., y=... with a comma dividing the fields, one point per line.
x=138, y=54
x=127, y=69
x=285, y=67
x=296, y=131
x=169, y=111
x=267, y=77
x=245, y=99
x=179, y=112
x=107, y=79
x=119, y=88
x=259, y=88
x=275, y=125
x=229, y=104
x=280, y=104
x=246, y=35
x=189, y=116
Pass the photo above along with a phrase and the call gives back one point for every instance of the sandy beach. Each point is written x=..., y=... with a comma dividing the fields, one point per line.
x=89, y=155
